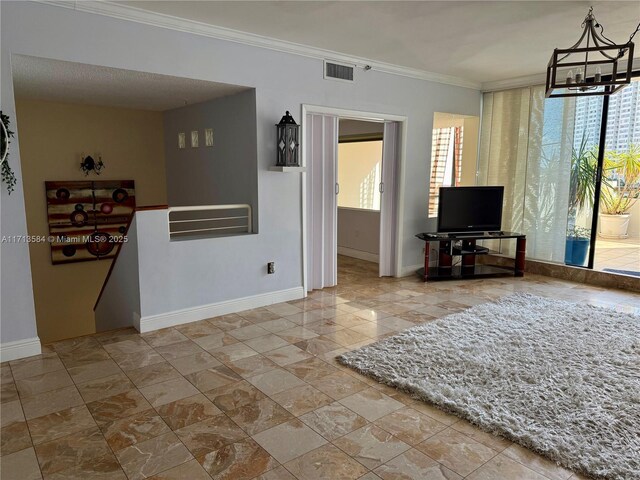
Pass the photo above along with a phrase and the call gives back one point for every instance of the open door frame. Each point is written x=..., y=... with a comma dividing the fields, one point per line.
x=402, y=122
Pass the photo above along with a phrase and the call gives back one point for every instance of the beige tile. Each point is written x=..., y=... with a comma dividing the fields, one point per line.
x=243, y=460
x=287, y=355
x=229, y=322
x=130, y=345
x=275, y=381
x=168, y=391
x=190, y=470
x=50, y=402
x=163, y=337
x=410, y=426
x=8, y=392
x=105, y=387
x=301, y=400
x=492, y=441
x=248, y=332
x=339, y=385
x=434, y=412
x=503, y=468
x=259, y=415
x=44, y=382
x=210, y=435
x=188, y=410
x=60, y=424
x=266, y=343
x=80, y=448
x=215, y=340
x=311, y=369
x=234, y=395
x=211, y=378
x=230, y=353
x=14, y=438
x=326, y=463
x=415, y=465
x=156, y=373
x=278, y=325
x=371, y=404
x=199, y=329
x=153, y=456
x=83, y=356
x=333, y=421
x=133, y=361
x=10, y=413
x=195, y=362
x=104, y=468
x=317, y=345
x=537, y=463
x=289, y=440
x=284, y=309
x=297, y=334
x=92, y=371
x=278, y=473
x=21, y=465
x=252, y=366
x=258, y=315
x=371, y=446
x=456, y=451
x=32, y=366
x=134, y=429
x=118, y=406
x=178, y=350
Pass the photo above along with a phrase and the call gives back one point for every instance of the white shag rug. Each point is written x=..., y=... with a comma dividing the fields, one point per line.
x=560, y=378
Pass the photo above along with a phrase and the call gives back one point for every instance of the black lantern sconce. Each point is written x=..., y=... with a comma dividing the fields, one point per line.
x=288, y=142
x=88, y=164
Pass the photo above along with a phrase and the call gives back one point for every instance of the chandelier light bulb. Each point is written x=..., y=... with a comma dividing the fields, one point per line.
x=579, y=75
x=570, y=76
x=598, y=75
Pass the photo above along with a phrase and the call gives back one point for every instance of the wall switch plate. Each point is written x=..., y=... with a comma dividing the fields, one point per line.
x=271, y=267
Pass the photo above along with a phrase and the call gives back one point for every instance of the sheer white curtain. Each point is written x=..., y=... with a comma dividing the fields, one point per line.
x=525, y=145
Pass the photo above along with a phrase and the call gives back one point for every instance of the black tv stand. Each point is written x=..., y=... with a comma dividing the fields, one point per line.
x=464, y=245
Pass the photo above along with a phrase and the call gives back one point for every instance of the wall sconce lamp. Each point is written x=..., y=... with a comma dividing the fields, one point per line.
x=288, y=142
x=88, y=164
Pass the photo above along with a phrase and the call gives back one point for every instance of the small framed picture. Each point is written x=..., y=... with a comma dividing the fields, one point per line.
x=182, y=143
x=208, y=137
x=194, y=139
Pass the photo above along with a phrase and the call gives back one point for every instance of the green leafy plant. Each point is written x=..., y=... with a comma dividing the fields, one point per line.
x=8, y=177
x=621, y=188
x=584, y=162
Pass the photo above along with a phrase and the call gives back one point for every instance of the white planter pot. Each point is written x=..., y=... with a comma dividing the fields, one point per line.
x=614, y=226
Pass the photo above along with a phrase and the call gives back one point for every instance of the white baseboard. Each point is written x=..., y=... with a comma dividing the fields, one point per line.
x=359, y=254
x=178, y=317
x=20, y=349
x=410, y=270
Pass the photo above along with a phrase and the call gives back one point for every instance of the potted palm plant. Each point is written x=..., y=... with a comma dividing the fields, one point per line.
x=584, y=162
x=620, y=191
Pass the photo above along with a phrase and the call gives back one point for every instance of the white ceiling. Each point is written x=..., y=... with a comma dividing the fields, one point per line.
x=478, y=41
x=58, y=81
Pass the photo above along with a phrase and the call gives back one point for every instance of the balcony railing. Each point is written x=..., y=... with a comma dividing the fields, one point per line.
x=209, y=220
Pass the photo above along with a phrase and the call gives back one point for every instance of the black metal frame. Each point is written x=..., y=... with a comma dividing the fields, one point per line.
x=610, y=55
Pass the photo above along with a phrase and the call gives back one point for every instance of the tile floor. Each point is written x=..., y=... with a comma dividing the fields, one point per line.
x=258, y=395
x=618, y=254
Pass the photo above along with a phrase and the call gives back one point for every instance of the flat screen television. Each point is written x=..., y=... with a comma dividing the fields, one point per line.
x=470, y=209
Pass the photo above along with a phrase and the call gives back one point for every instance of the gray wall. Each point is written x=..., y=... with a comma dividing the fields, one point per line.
x=223, y=174
x=359, y=230
x=283, y=81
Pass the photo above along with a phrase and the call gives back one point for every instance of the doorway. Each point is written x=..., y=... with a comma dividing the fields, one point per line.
x=359, y=177
x=323, y=205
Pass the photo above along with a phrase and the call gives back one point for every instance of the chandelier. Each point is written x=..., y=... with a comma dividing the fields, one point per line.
x=578, y=70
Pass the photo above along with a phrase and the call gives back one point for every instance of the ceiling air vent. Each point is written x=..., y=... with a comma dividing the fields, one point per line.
x=338, y=71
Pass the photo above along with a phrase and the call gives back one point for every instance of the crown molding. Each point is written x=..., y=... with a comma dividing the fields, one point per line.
x=517, y=82
x=125, y=12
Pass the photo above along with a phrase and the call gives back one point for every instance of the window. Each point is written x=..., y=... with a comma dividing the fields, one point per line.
x=359, y=174
x=446, y=163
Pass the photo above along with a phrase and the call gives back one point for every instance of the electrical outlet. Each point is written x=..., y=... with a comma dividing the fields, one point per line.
x=271, y=267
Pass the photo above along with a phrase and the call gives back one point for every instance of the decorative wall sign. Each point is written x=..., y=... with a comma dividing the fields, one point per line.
x=182, y=143
x=208, y=137
x=88, y=219
x=194, y=139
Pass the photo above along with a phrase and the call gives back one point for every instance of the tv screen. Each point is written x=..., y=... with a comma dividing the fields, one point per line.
x=470, y=209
